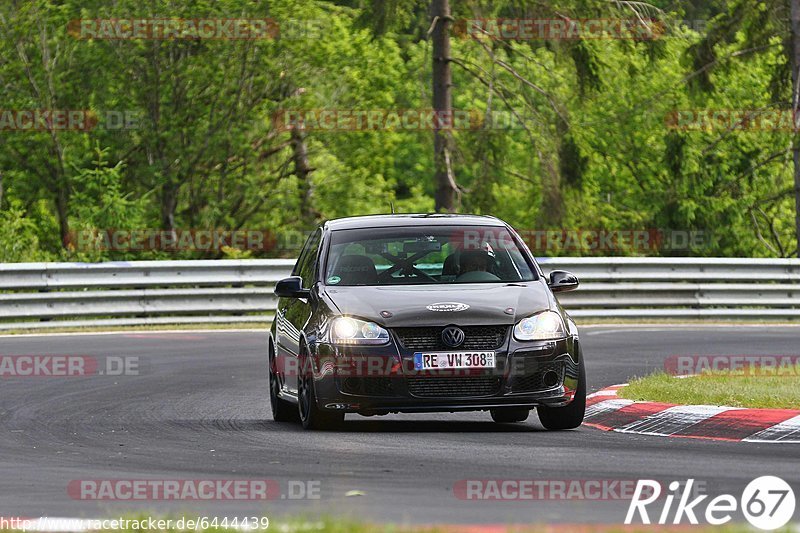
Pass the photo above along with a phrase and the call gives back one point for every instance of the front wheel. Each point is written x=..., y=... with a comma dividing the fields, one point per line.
x=569, y=416
x=311, y=416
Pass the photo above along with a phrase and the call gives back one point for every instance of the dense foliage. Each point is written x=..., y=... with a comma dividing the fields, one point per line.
x=574, y=134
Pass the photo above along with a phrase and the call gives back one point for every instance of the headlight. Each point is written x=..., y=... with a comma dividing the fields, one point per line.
x=346, y=330
x=544, y=326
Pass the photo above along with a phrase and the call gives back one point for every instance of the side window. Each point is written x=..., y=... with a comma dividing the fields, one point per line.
x=308, y=259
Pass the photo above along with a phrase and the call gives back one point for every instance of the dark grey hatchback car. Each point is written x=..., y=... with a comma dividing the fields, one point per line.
x=423, y=313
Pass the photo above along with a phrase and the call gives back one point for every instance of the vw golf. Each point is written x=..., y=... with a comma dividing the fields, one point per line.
x=423, y=313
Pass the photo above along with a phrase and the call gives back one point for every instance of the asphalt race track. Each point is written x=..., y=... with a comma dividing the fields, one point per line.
x=199, y=410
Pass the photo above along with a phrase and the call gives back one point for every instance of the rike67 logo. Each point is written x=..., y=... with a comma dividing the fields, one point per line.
x=767, y=502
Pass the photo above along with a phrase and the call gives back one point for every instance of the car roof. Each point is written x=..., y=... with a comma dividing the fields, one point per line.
x=415, y=219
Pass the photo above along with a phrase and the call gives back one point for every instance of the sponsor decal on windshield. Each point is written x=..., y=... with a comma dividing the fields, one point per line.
x=447, y=307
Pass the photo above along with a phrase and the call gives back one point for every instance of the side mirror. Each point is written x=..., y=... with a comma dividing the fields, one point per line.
x=562, y=281
x=291, y=287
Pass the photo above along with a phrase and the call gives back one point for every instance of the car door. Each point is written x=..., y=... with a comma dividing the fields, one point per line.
x=293, y=313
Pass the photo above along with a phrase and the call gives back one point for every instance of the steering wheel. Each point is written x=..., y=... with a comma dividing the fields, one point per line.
x=406, y=266
x=476, y=276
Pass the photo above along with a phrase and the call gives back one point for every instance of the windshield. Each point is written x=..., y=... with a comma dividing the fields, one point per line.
x=420, y=255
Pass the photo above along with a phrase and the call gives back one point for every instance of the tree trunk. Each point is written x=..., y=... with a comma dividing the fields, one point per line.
x=62, y=207
x=169, y=203
x=446, y=190
x=795, y=23
x=303, y=170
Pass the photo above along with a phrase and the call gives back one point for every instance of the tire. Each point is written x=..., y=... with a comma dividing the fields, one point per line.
x=508, y=415
x=569, y=416
x=282, y=411
x=311, y=416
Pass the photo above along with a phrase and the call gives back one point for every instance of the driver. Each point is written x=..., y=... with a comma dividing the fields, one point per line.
x=474, y=261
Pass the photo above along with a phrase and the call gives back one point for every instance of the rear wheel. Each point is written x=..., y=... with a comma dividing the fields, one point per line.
x=282, y=411
x=507, y=415
x=569, y=416
x=311, y=416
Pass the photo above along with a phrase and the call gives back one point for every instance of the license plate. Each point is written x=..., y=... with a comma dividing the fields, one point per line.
x=439, y=360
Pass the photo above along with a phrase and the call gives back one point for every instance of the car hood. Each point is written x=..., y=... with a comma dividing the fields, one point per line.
x=408, y=304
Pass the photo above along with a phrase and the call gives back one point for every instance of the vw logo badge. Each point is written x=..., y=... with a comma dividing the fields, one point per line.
x=453, y=336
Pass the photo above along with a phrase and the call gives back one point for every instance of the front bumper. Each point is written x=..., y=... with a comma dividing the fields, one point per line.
x=382, y=379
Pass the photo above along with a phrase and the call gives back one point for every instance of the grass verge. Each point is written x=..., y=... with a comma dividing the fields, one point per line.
x=717, y=388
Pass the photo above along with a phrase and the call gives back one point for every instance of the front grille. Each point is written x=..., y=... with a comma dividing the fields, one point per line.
x=531, y=373
x=430, y=338
x=371, y=386
x=378, y=387
x=436, y=387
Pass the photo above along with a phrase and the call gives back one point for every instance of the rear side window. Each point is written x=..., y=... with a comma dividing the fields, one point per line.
x=308, y=259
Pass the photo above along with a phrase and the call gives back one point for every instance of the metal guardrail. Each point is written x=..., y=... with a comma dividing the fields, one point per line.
x=46, y=295
x=682, y=288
